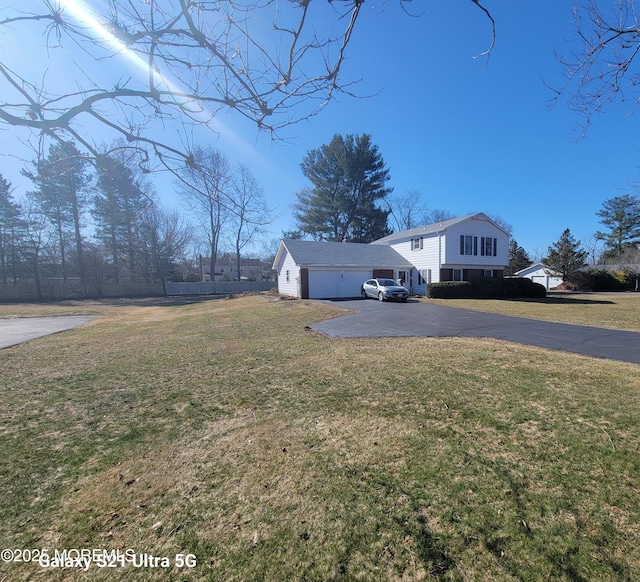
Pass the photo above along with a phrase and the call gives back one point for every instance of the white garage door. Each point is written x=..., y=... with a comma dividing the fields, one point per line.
x=336, y=284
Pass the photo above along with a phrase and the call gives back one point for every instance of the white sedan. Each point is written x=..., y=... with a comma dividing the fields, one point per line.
x=382, y=289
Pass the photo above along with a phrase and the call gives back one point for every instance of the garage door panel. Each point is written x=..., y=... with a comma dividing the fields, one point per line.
x=336, y=284
x=351, y=283
x=323, y=284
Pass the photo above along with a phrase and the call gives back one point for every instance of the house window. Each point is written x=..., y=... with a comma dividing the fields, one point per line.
x=416, y=243
x=489, y=246
x=468, y=244
x=457, y=275
x=287, y=276
x=488, y=273
x=424, y=276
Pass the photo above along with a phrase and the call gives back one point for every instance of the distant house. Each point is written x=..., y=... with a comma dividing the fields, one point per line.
x=540, y=273
x=461, y=249
x=227, y=269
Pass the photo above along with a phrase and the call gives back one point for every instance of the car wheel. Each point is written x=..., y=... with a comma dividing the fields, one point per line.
x=404, y=300
x=381, y=296
x=364, y=294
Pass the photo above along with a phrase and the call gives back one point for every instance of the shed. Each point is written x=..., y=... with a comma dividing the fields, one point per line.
x=540, y=273
x=333, y=270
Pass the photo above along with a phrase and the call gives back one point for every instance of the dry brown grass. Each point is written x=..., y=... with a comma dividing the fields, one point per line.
x=607, y=310
x=227, y=430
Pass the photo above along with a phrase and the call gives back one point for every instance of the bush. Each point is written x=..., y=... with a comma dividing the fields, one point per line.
x=488, y=288
x=627, y=280
x=594, y=280
x=530, y=289
x=450, y=290
x=511, y=287
x=603, y=280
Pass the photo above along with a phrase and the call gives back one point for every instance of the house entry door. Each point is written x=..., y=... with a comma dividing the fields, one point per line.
x=405, y=278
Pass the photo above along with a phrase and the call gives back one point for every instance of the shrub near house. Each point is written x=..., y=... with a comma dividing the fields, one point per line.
x=486, y=288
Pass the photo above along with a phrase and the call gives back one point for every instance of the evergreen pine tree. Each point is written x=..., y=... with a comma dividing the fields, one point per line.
x=518, y=259
x=348, y=178
x=565, y=255
x=621, y=216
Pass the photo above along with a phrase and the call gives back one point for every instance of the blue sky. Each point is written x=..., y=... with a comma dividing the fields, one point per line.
x=471, y=135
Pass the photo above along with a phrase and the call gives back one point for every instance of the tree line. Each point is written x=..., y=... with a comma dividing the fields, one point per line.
x=134, y=239
x=97, y=220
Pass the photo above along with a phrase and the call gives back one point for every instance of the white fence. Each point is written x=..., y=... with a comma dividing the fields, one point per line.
x=219, y=287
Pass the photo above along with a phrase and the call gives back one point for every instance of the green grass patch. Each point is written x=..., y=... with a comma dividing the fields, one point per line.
x=229, y=430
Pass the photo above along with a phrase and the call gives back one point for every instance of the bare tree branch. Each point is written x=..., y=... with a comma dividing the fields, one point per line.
x=604, y=70
x=195, y=58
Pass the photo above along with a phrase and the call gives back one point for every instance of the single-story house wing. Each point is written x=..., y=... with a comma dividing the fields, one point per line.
x=333, y=270
x=540, y=273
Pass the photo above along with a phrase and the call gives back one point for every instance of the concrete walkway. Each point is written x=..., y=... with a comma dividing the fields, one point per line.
x=418, y=319
x=22, y=329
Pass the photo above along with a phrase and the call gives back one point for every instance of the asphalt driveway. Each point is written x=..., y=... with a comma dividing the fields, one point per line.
x=419, y=319
x=22, y=329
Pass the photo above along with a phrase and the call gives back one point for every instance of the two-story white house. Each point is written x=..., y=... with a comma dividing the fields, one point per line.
x=461, y=249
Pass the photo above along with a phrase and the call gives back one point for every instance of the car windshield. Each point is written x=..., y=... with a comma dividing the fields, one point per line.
x=387, y=282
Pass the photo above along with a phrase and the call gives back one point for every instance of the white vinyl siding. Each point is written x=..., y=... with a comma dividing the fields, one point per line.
x=422, y=259
x=478, y=237
x=289, y=277
x=459, y=247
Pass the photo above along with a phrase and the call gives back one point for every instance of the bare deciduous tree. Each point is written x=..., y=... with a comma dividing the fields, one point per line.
x=37, y=237
x=165, y=237
x=605, y=69
x=250, y=214
x=408, y=210
x=275, y=63
x=206, y=189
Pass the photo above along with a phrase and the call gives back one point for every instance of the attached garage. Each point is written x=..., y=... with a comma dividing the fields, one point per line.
x=324, y=270
x=331, y=283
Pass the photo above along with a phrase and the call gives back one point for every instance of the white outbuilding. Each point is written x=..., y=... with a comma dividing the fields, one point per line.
x=540, y=273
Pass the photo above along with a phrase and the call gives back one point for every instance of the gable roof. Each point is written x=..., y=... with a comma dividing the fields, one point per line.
x=537, y=267
x=434, y=228
x=334, y=254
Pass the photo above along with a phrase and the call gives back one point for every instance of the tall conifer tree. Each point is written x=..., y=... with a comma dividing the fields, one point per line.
x=566, y=255
x=348, y=178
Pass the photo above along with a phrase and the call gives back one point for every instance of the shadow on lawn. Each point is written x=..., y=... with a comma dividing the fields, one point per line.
x=555, y=300
x=166, y=301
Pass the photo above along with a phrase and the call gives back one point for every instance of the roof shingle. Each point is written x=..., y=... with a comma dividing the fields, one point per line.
x=334, y=254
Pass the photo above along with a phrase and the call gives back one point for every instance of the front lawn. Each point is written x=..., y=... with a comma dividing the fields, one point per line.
x=228, y=430
x=608, y=310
